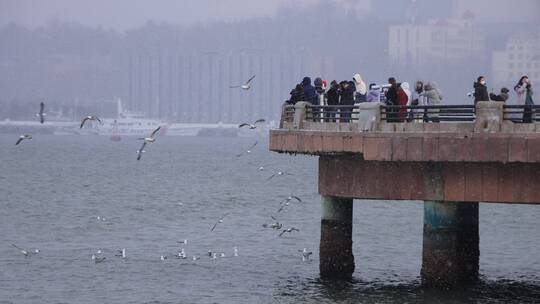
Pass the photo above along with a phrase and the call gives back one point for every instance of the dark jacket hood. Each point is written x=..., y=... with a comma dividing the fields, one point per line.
x=306, y=81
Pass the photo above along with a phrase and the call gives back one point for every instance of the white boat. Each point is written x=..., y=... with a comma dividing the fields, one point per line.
x=129, y=124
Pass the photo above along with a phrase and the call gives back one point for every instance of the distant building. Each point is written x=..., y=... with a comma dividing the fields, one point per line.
x=443, y=40
x=499, y=12
x=520, y=57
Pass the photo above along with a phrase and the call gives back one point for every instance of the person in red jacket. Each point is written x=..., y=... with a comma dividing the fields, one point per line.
x=403, y=94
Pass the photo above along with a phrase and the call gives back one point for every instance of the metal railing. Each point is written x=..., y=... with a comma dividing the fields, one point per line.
x=521, y=113
x=438, y=113
x=332, y=113
x=389, y=114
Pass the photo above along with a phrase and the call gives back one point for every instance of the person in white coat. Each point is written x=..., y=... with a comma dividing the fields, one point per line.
x=360, y=92
x=524, y=93
x=361, y=89
x=417, y=99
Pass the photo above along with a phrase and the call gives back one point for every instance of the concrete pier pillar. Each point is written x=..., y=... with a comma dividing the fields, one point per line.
x=335, y=251
x=451, y=252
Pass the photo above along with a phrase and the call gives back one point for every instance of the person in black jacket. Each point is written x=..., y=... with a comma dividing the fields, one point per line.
x=391, y=99
x=480, y=90
x=297, y=94
x=347, y=89
x=332, y=98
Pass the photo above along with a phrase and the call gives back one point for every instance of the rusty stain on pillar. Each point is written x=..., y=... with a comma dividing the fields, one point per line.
x=450, y=254
x=336, y=258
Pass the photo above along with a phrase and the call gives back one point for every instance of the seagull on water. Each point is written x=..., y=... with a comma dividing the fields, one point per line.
x=195, y=258
x=248, y=149
x=90, y=117
x=182, y=242
x=275, y=225
x=147, y=140
x=235, y=251
x=163, y=257
x=261, y=168
x=41, y=113
x=181, y=254
x=305, y=254
x=246, y=86
x=121, y=253
x=23, y=137
x=288, y=230
x=251, y=126
x=279, y=173
x=286, y=202
x=97, y=259
x=26, y=252
x=219, y=221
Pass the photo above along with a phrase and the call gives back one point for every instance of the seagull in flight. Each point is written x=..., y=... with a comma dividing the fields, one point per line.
x=253, y=125
x=288, y=230
x=305, y=254
x=248, y=149
x=279, y=173
x=246, y=86
x=286, y=202
x=219, y=221
x=26, y=252
x=90, y=117
x=152, y=137
x=275, y=225
x=23, y=137
x=41, y=113
x=147, y=140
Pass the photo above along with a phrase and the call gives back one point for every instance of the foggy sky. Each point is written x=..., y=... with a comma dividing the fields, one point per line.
x=127, y=14
x=124, y=14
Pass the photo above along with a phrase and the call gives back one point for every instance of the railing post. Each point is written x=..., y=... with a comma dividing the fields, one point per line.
x=321, y=103
x=489, y=116
x=300, y=112
x=283, y=115
x=369, y=116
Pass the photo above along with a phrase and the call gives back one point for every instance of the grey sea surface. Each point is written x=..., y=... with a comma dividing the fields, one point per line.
x=53, y=188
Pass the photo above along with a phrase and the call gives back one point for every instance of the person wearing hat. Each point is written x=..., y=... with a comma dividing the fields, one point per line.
x=501, y=97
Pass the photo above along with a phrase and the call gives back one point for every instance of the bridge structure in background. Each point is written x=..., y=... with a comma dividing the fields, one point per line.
x=451, y=157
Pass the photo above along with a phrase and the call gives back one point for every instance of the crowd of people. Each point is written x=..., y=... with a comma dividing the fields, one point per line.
x=400, y=98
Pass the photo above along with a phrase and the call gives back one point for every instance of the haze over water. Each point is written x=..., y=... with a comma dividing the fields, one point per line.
x=54, y=187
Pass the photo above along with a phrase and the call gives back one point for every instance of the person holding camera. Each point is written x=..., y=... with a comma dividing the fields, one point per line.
x=502, y=97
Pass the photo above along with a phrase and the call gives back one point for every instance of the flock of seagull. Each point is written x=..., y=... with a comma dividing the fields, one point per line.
x=99, y=257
